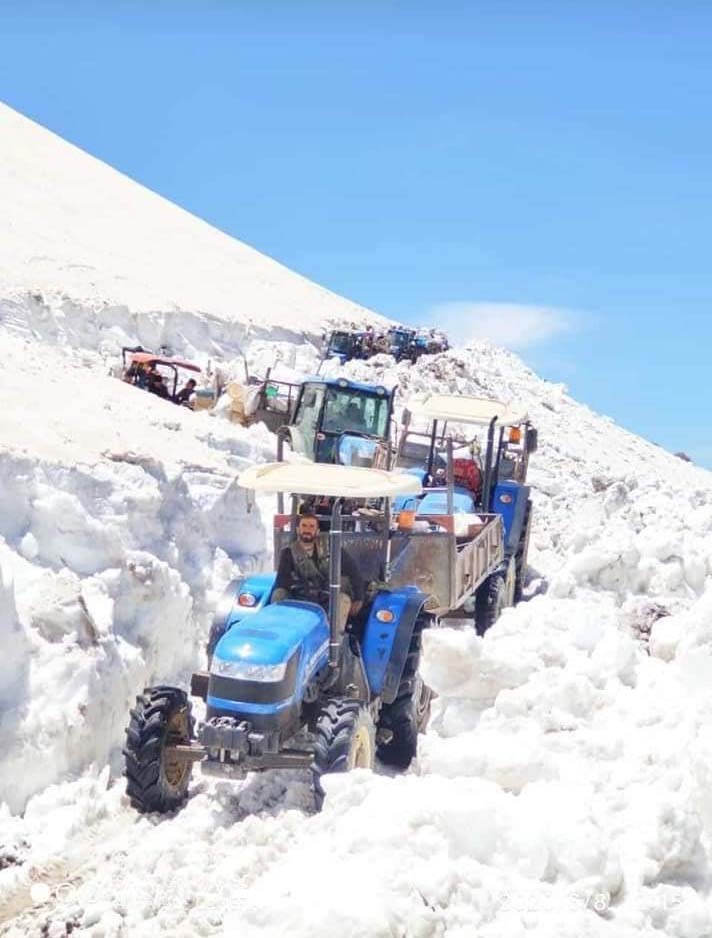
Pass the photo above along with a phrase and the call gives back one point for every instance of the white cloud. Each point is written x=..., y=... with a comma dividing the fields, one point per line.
x=513, y=325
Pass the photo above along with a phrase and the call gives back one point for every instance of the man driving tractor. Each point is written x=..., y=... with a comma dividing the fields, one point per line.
x=303, y=573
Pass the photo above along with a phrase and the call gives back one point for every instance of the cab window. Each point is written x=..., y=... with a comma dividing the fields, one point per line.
x=307, y=418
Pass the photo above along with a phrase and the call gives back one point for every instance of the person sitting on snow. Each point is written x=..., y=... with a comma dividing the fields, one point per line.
x=303, y=573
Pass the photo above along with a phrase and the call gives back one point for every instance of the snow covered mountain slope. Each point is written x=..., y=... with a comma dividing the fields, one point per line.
x=79, y=236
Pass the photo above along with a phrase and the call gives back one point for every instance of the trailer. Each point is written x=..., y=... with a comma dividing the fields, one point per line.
x=472, y=456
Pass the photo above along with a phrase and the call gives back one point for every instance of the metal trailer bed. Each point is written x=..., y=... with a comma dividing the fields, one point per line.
x=448, y=567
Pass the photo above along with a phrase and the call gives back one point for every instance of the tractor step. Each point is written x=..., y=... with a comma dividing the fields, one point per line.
x=192, y=753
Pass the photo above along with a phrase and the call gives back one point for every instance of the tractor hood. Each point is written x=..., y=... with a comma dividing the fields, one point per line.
x=273, y=634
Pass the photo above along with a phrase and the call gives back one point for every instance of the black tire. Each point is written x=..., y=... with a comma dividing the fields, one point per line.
x=345, y=738
x=521, y=555
x=161, y=717
x=409, y=713
x=217, y=630
x=490, y=600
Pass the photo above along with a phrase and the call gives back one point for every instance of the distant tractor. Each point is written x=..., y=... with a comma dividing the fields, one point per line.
x=345, y=346
x=161, y=374
x=336, y=420
x=406, y=344
x=402, y=344
x=466, y=477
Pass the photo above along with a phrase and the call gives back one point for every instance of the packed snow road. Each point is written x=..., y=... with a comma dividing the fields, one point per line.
x=562, y=788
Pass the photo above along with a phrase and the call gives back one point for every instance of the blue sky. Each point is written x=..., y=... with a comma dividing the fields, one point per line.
x=553, y=157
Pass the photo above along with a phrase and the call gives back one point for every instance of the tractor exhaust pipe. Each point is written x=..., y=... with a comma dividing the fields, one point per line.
x=335, y=538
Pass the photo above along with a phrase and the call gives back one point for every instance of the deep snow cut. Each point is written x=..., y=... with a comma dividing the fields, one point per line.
x=563, y=785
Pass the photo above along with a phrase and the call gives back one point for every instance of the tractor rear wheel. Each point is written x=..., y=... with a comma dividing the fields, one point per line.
x=521, y=554
x=495, y=594
x=409, y=713
x=155, y=779
x=345, y=739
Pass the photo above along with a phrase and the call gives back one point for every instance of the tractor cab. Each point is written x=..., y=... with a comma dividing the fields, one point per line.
x=341, y=421
x=471, y=455
x=402, y=343
x=345, y=346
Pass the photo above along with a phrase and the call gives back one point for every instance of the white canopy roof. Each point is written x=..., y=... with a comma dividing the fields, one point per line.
x=323, y=479
x=461, y=409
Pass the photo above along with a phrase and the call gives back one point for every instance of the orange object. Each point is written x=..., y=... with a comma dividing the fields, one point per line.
x=515, y=435
x=406, y=520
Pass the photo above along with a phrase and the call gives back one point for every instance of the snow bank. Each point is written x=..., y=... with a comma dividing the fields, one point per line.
x=563, y=787
x=120, y=523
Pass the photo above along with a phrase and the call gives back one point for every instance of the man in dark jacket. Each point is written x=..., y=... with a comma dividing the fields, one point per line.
x=183, y=396
x=303, y=573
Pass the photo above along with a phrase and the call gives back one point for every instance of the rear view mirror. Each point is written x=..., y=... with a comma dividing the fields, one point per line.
x=532, y=440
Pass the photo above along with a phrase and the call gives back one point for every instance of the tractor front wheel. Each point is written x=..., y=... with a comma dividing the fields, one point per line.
x=156, y=780
x=345, y=739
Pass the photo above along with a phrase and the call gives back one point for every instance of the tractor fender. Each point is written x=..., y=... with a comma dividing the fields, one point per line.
x=510, y=501
x=228, y=610
x=385, y=644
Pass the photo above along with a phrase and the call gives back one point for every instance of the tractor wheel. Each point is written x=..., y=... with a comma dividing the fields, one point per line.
x=154, y=781
x=521, y=555
x=345, y=739
x=409, y=713
x=495, y=594
x=217, y=630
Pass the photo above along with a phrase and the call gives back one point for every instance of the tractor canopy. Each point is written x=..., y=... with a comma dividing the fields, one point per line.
x=453, y=408
x=319, y=479
x=148, y=358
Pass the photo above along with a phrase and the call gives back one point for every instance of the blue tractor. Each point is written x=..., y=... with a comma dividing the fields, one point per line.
x=345, y=346
x=401, y=344
x=336, y=420
x=465, y=476
x=406, y=344
x=283, y=689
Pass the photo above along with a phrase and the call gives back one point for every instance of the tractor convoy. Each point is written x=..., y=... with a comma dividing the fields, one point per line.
x=380, y=532
x=403, y=343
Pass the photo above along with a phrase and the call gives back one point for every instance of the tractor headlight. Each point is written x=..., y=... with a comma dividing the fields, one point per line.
x=245, y=671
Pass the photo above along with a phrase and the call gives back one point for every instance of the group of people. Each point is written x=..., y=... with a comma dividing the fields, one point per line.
x=145, y=375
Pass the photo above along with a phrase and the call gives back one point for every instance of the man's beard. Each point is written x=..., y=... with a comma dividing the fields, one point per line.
x=307, y=538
